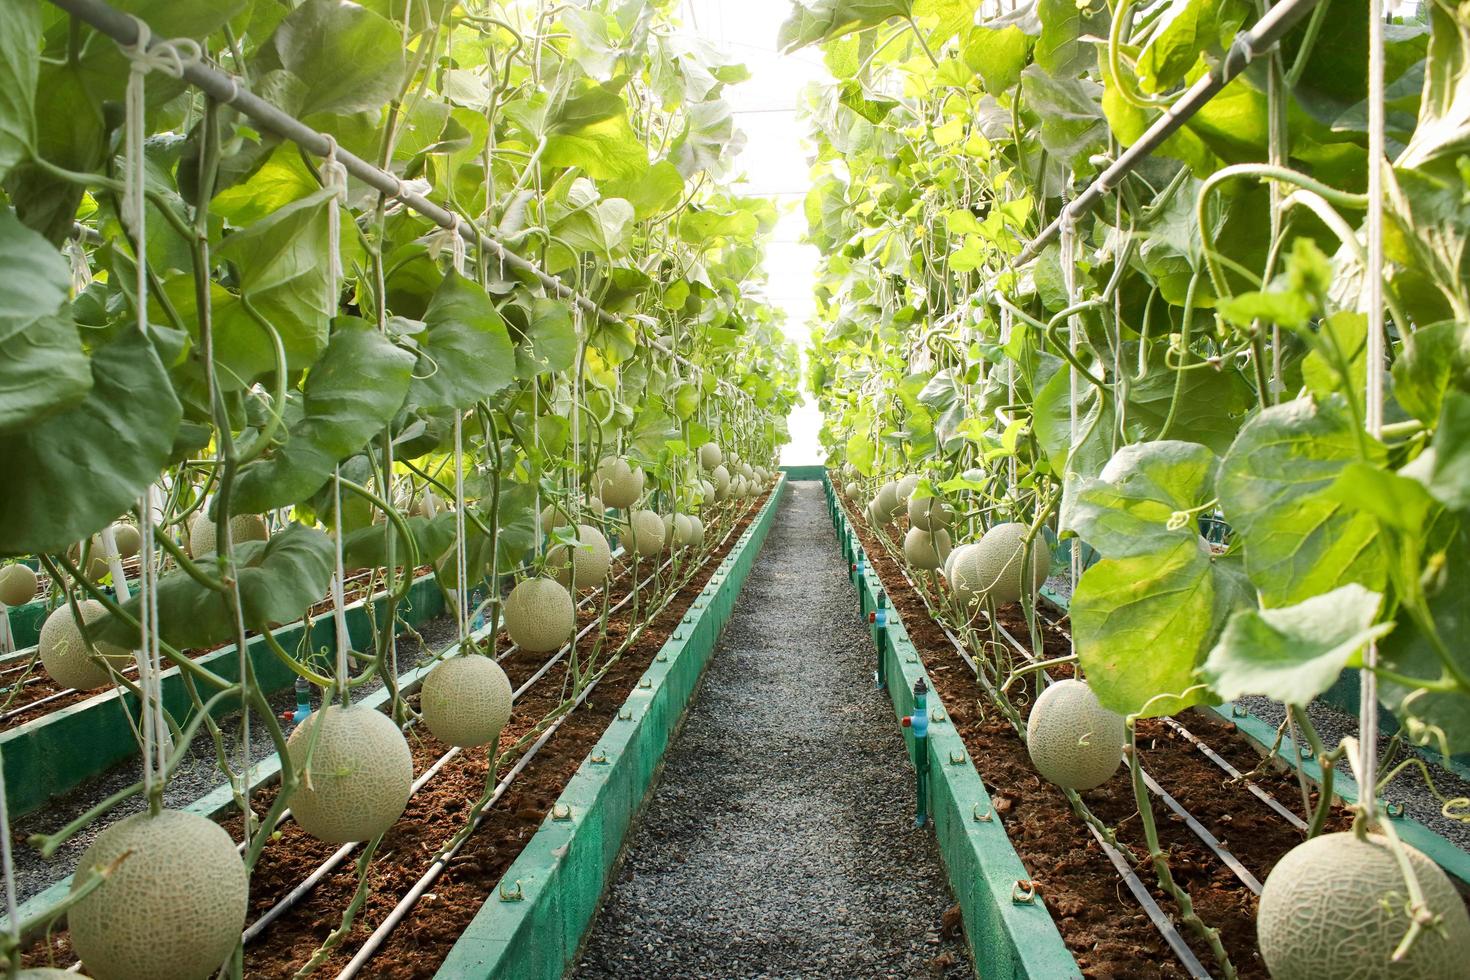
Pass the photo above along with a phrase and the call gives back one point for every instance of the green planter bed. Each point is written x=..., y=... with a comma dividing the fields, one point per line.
x=60, y=750
x=532, y=926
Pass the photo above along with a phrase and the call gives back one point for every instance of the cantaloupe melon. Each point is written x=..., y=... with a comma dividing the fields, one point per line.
x=677, y=532
x=17, y=585
x=173, y=907
x=695, y=538
x=540, y=615
x=583, y=566
x=1073, y=740
x=710, y=456
x=956, y=556
x=929, y=513
x=428, y=504
x=127, y=539
x=643, y=535
x=720, y=477
x=925, y=549
x=65, y=655
x=904, y=488
x=466, y=700
x=885, y=504
x=97, y=567
x=552, y=518
x=852, y=490
x=706, y=493
x=617, y=483
x=243, y=527
x=359, y=777
x=747, y=471
x=1337, y=906
x=993, y=569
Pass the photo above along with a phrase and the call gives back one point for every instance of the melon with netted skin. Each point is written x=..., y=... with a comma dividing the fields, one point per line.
x=885, y=504
x=904, y=488
x=540, y=615
x=706, y=492
x=643, y=535
x=1073, y=740
x=17, y=585
x=710, y=456
x=956, y=556
x=720, y=477
x=243, y=527
x=466, y=701
x=992, y=571
x=583, y=566
x=552, y=518
x=618, y=484
x=926, y=549
x=695, y=537
x=172, y=908
x=359, y=776
x=929, y=513
x=1336, y=906
x=128, y=540
x=852, y=490
x=747, y=471
x=66, y=656
x=677, y=531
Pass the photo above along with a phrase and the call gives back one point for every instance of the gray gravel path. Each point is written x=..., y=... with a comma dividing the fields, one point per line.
x=779, y=841
x=196, y=775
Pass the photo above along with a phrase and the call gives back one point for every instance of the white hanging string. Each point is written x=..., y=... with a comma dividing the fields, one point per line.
x=334, y=178
x=7, y=864
x=1005, y=340
x=1373, y=298
x=1068, y=246
x=339, y=601
x=156, y=740
x=461, y=563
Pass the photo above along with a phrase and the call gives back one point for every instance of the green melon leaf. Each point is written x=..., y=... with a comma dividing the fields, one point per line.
x=1294, y=653
x=37, y=279
x=467, y=353
x=349, y=58
x=812, y=21
x=1126, y=511
x=42, y=370
x=20, y=67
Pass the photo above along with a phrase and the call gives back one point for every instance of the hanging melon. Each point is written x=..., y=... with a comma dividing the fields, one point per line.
x=643, y=535
x=359, y=775
x=243, y=527
x=993, y=569
x=925, y=549
x=1072, y=739
x=721, y=479
x=65, y=654
x=466, y=700
x=710, y=456
x=929, y=513
x=17, y=585
x=540, y=615
x=583, y=566
x=618, y=484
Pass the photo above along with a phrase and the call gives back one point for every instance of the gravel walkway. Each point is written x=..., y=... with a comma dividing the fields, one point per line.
x=197, y=774
x=779, y=841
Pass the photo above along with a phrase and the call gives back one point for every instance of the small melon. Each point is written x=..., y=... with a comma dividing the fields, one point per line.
x=173, y=908
x=618, y=484
x=97, y=566
x=1073, y=740
x=540, y=615
x=955, y=557
x=710, y=456
x=586, y=565
x=905, y=488
x=747, y=471
x=243, y=527
x=852, y=490
x=360, y=774
x=706, y=492
x=65, y=655
x=466, y=701
x=721, y=478
x=695, y=537
x=1336, y=906
x=552, y=518
x=993, y=569
x=929, y=513
x=885, y=504
x=594, y=507
x=676, y=531
x=644, y=534
x=926, y=549
x=127, y=539
x=17, y=585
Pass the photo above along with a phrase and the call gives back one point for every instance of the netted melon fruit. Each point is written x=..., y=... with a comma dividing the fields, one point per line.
x=1337, y=906
x=695, y=537
x=993, y=569
x=852, y=490
x=720, y=477
x=955, y=557
x=706, y=492
x=618, y=484
x=540, y=615
x=643, y=535
x=243, y=527
x=885, y=504
x=747, y=471
x=97, y=566
x=584, y=565
x=1073, y=740
x=553, y=517
x=925, y=549
x=594, y=507
x=172, y=908
x=929, y=513
x=466, y=701
x=65, y=655
x=127, y=539
x=905, y=488
x=359, y=776
x=710, y=456
x=17, y=585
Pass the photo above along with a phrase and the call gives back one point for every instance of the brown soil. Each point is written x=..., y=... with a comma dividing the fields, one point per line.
x=1102, y=925
x=420, y=943
x=38, y=684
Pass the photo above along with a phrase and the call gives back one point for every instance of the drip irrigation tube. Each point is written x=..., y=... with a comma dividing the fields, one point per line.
x=1248, y=46
x=229, y=90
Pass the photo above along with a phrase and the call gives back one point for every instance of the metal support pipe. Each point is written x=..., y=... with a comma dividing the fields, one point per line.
x=1248, y=46
x=226, y=88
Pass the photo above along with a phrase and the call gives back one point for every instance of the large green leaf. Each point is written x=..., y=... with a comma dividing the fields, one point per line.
x=1143, y=624
x=1444, y=111
x=1061, y=48
x=1433, y=359
x=1449, y=477
x=20, y=67
x=73, y=137
x=352, y=392
x=548, y=343
x=349, y=58
x=812, y=21
x=75, y=471
x=37, y=279
x=466, y=352
x=279, y=580
x=1300, y=540
x=1294, y=653
x=1072, y=123
x=997, y=53
x=590, y=130
x=42, y=370
x=368, y=547
x=1181, y=34
x=1130, y=508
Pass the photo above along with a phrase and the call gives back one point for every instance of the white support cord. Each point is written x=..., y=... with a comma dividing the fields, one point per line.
x=7, y=864
x=1373, y=298
x=461, y=562
x=1068, y=258
x=339, y=602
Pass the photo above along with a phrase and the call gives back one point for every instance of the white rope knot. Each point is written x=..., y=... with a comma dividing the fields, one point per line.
x=170, y=57
x=456, y=243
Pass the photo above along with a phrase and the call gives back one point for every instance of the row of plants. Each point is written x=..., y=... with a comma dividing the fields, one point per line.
x=227, y=359
x=1182, y=395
